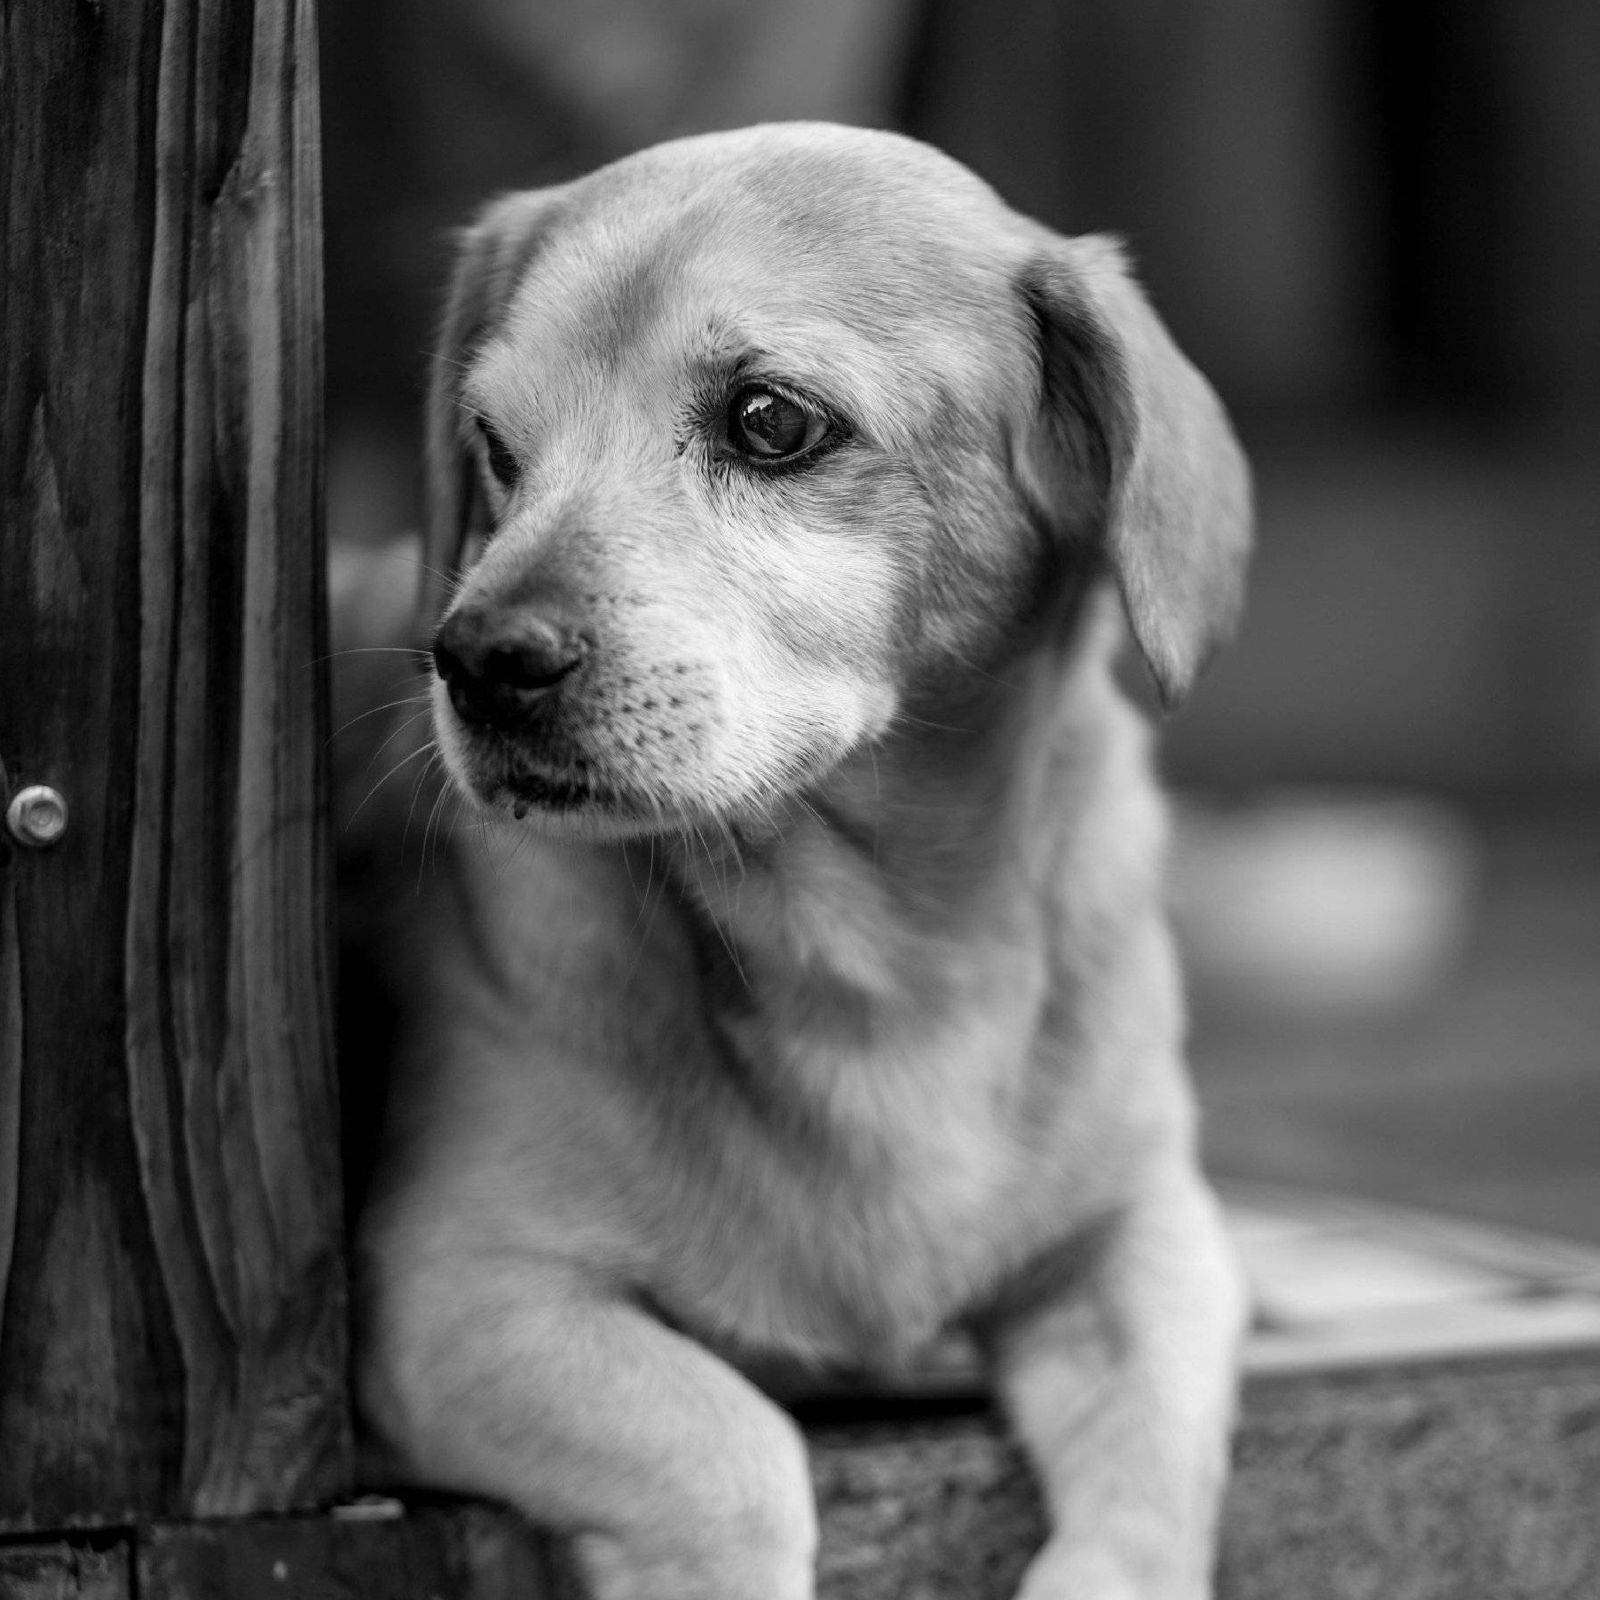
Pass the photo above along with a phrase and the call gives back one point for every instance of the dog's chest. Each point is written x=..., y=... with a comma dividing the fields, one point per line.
x=874, y=1191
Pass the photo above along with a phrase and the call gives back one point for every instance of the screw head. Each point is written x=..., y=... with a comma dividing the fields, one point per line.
x=37, y=816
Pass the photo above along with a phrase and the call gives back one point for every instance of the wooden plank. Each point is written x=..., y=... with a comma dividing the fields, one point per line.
x=65, y=1572
x=172, y=1305
x=465, y=1552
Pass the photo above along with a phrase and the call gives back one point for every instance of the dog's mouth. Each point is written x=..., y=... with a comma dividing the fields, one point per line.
x=539, y=771
x=508, y=776
x=557, y=788
x=530, y=790
x=606, y=776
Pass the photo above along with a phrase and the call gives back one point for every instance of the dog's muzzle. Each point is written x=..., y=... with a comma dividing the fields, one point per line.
x=501, y=669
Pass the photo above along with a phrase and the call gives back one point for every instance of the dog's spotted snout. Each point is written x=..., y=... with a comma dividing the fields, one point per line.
x=501, y=667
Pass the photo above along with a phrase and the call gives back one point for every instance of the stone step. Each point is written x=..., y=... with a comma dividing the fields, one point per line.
x=1469, y=1479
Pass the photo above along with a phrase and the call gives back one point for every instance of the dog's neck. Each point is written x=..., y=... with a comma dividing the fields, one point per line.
x=866, y=897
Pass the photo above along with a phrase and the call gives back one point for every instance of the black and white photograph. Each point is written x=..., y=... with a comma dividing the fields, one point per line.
x=801, y=801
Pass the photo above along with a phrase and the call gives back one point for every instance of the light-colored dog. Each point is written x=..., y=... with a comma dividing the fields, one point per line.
x=805, y=988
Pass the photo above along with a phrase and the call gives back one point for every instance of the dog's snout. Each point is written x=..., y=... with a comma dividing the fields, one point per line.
x=498, y=667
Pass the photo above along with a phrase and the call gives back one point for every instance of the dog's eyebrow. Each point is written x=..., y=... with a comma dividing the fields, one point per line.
x=726, y=349
x=758, y=363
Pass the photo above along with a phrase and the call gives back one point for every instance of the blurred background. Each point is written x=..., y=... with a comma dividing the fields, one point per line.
x=1375, y=224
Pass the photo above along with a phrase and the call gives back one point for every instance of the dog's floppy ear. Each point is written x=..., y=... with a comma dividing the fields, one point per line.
x=491, y=256
x=1132, y=447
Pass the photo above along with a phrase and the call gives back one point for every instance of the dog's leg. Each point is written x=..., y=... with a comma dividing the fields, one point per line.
x=1122, y=1387
x=512, y=1379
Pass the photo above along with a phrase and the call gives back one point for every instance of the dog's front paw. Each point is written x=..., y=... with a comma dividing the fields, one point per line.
x=1077, y=1572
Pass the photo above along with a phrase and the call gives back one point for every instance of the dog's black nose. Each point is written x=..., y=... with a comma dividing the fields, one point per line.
x=499, y=666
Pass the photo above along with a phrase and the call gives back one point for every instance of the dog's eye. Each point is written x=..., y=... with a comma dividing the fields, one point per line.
x=503, y=462
x=764, y=425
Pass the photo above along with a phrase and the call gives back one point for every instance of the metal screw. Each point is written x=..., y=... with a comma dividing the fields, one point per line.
x=37, y=816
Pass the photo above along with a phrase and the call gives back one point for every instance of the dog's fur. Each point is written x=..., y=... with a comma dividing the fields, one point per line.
x=805, y=987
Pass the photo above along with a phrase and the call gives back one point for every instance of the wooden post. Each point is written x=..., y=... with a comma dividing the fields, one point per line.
x=172, y=1301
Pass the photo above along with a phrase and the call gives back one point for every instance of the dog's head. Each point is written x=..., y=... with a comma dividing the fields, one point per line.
x=744, y=445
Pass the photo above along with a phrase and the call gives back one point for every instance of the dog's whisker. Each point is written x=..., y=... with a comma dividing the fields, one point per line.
x=811, y=810
x=518, y=841
x=697, y=853
x=910, y=720
x=733, y=845
x=435, y=760
x=414, y=560
x=444, y=358
x=396, y=733
x=418, y=655
x=403, y=761
x=373, y=711
x=717, y=861
x=655, y=891
x=480, y=826
x=427, y=827
x=437, y=823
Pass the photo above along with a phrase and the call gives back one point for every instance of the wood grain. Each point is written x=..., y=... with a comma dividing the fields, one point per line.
x=66, y=1572
x=172, y=1299
x=465, y=1552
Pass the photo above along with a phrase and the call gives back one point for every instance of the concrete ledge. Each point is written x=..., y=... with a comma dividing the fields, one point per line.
x=1476, y=1480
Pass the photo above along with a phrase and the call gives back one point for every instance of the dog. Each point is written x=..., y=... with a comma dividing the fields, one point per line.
x=792, y=981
